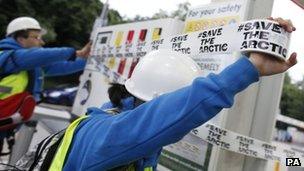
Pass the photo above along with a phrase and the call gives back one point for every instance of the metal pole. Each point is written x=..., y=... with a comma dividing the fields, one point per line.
x=104, y=14
x=100, y=21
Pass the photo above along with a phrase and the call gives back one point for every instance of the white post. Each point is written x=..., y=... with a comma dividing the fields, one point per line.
x=254, y=111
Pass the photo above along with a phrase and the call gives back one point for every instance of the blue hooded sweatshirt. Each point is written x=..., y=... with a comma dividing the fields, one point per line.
x=127, y=104
x=102, y=141
x=38, y=62
x=145, y=162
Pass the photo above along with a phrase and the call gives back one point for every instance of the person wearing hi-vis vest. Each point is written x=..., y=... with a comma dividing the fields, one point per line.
x=24, y=62
x=169, y=102
x=121, y=100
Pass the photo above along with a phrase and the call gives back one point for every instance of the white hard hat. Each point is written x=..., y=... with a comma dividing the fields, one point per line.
x=160, y=72
x=22, y=23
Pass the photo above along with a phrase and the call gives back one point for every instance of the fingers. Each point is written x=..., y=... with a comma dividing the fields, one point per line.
x=292, y=60
x=89, y=44
x=286, y=24
x=290, y=23
x=85, y=51
x=87, y=47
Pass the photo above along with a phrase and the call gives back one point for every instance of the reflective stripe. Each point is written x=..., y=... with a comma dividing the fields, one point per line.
x=133, y=168
x=148, y=169
x=13, y=83
x=58, y=161
x=60, y=156
x=130, y=168
x=17, y=82
x=5, y=89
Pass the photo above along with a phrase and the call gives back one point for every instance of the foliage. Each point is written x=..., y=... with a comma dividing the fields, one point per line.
x=292, y=99
x=68, y=22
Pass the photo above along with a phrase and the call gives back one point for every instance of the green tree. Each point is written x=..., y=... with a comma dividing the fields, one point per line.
x=69, y=22
x=292, y=100
x=161, y=14
x=180, y=12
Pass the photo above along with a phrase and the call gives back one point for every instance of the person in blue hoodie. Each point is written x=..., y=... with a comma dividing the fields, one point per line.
x=120, y=98
x=104, y=142
x=24, y=62
x=22, y=55
x=169, y=102
x=120, y=101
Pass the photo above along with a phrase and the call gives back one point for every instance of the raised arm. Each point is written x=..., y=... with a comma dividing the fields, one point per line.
x=64, y=67
x=27, y=59
x=161, y=121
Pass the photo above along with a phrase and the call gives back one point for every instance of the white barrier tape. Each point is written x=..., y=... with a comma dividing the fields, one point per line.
x=254, y=35
x=111, y=75
x=241, y=144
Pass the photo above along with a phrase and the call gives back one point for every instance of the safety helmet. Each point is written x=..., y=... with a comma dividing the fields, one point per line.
x=22, y=23
x=160, y=72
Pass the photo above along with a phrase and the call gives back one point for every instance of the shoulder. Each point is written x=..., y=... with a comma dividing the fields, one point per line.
x=4, y=54
x=113, y=111
x=93, y=111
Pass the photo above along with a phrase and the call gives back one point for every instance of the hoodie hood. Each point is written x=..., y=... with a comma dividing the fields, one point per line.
x=9, y=44
x=127, y=104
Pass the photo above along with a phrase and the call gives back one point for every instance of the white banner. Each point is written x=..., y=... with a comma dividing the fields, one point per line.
x=256, y=35
x=248, y=146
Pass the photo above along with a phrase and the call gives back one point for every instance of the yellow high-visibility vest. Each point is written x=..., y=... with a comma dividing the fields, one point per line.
x=59, y=158
x=13, y=84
